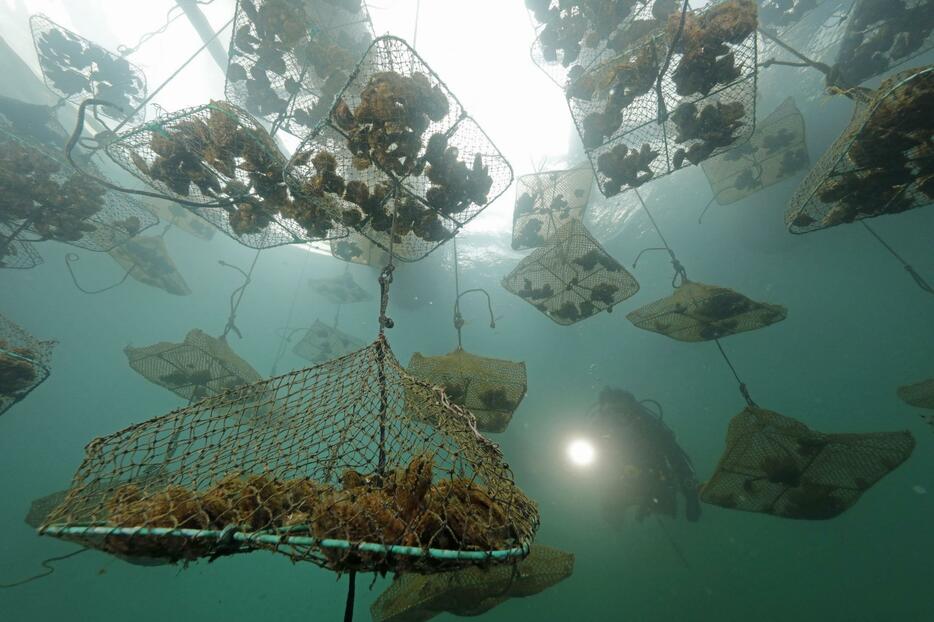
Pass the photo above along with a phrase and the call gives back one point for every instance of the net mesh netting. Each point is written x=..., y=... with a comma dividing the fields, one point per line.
x=775, y=152
x=76, y=69
x=16, y=254
x=397, y=142
x=322, y=343
x=221, y=159
x=920, y=394
x=491, y=389
x=331, y=464
x=24, y=363
x=573, y=36
x=339, y=289
x=355, y=248
x=882, y=34
x=471, y=591
x=43, y=198
x=774, y=464
x=147, y=260
x=706, y=105
x=571, y=278
x=698, y=312
x=545, y=201
x=883, y=163
x=200, y=366
x=290, y=58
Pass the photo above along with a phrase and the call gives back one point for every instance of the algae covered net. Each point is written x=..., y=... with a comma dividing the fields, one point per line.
x=220, y=162
x=882, y=34
x=571, y=278
x=290, y=58
x=471, y=591
x=43, y=198
x=322, y=343
x=146, y=259
x=198, y=367
x=491, y=389
x=24, y=363
x=545, y=201
x=331, y=464
x=774, y=464
x=698, y=312
x=775, y=152
x=883, y=163
x=399, y=155
x=77, y=69
x=681, y=95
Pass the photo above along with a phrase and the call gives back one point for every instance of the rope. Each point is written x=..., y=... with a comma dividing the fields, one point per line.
x=418, y=10
x=743, y=389
x=351, y=593
x=680, y=275
x=287, y=339
x=831, y=74
x=71, y=258
x=660, y=97
x=385, y=280
x=458, y=318
x=49, y=569
x=918, y=279
x=237, y=295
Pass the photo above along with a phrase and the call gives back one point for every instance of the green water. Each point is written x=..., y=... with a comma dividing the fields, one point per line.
x=857, y=328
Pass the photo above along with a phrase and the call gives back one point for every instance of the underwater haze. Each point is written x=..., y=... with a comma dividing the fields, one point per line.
x=857, y=327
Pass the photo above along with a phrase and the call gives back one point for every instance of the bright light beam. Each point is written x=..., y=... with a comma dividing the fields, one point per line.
x=581, y=452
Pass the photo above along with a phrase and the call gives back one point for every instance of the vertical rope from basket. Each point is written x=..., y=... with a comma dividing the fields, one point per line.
x=458, y=317
x=237, y=295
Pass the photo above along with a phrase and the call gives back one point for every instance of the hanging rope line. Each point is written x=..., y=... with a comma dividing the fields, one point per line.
x=351, y=594
x=680, y=275
x=458, y=318
x=918, y=279
x=418, y=10
x=385, y=280
x=170, y=16
x=237, y=295
x=72, y=258
x=287, y=337
x=743, y=389
x=49, y=569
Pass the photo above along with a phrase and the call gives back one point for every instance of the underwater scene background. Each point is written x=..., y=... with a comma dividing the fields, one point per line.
x=857, y=328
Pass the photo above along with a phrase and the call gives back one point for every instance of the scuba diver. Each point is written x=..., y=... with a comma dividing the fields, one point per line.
x=645, y=466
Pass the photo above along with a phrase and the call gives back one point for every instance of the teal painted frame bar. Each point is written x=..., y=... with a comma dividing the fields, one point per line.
x=273, y=539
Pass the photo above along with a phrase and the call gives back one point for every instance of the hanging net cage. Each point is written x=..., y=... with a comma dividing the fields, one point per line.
x=677, y=97
x=698, y=312
x=147, y=260
x=323, y=343
x=24, y=363
x=546, y=201
x=919, y=395
x=571, y=278
x=882, y=34
x=471, y=591
x=356, y=248
x=45, y=199
x=776, y=151
x=400, y=155
x=491, y=389
x=220, y=162
x=198, y=367
x=290, y=58
x=339, y=289
x=774, y=464
x=331, y=464
x=76, y=69
x=180, y=218
x=883, y=163
x=574, y=36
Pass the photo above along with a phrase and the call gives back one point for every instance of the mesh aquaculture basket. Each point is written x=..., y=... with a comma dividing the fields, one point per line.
x=355, y=248
x=16, y=254
x=196, y=368
x=698, y=312
x=545, y=202
x=882, y=34
x=322, y=343
x=181, y=218
x=290, y=58
x=572, y=37
x=571, y=278
x=491, y=389
x=471, y=591
x=339, y=289
x=774, y=464
x=24, y=363
x=224, y=166
x=920, y=394
x=398, y=142
x=146, y=259
x=44, y=198
x=636, y=127
x=883, y=163
x=40, y=508
x=775, y=152
x=76, y=69
x=331, y=464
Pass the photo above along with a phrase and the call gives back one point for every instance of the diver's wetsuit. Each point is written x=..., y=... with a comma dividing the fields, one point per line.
x=646, y=466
